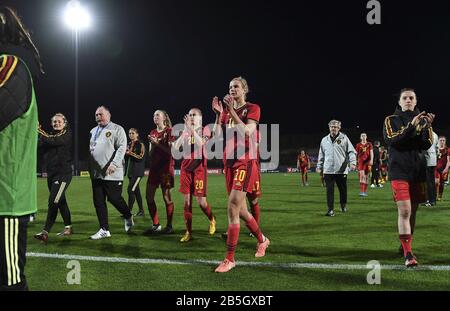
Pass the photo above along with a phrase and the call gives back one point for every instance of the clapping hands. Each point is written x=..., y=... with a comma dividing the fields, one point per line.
x=423, y=120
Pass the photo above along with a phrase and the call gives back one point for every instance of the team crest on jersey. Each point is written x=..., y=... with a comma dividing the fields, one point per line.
x=108, y=134
x=338, y=141
x=244, y=112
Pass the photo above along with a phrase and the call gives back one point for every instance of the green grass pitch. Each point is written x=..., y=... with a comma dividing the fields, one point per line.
x=291, y=216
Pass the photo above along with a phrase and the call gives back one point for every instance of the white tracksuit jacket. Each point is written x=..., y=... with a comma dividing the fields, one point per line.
x=335, y=157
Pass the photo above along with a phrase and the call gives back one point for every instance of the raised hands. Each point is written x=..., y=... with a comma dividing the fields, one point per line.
x=217, y=106
x=229, y=102
x=429, y=118
x=153, y=139
x=187, y=124
x=423, y=119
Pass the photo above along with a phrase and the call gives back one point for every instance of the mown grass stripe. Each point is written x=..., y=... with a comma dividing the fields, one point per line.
x=291, y=265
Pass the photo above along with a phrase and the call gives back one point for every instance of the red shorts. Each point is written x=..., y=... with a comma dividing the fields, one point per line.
x=404, y=191
x=256, y=191
x=242, y=177
x=441, y=176
x=165, y=180
x=303, y=169
x=194, y=182
x=364, y=166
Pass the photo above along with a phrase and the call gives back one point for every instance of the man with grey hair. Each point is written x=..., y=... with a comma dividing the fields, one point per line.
x=336, y=154
x=107, y=147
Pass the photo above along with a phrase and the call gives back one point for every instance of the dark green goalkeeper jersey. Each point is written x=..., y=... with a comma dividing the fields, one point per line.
x=18, y=138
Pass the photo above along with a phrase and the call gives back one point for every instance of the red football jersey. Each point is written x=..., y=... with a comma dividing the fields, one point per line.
x=303, y=160
x=442, y=157
x=197, y=155
x=235, y=144
x=161, y=160
x=363, y=151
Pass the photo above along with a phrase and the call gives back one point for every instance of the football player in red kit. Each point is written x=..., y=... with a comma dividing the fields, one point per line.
x=303, y=165
x=238, y=120
x=253, y=197
x=161, y=170
x=384, y=164
x=364, y=152
x=194, y=170
x=443, y=164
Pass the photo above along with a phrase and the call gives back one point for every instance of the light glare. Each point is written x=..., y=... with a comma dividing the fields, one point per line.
x=75, y=16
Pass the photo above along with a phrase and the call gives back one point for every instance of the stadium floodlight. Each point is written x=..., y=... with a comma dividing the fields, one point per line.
x=76, y=16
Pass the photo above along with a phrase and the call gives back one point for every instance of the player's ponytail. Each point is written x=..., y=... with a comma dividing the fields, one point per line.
x=167, y=121
x=13, y=31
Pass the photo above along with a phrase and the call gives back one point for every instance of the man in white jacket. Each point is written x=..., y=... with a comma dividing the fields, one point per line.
x=336, y=154
x=107, y=147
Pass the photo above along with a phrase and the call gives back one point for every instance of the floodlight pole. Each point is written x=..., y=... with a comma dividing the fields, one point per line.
x=76, y=18
x=76, y=167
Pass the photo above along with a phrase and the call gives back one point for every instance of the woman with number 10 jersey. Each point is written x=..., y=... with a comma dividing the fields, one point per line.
x=237, y=120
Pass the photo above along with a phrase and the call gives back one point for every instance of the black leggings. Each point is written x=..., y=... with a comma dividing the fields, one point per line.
x=431, y=186
x=57, y=185
x=375, y=174
x=134, y=193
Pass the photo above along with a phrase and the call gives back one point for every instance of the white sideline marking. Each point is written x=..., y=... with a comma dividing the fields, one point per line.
x=293, y=265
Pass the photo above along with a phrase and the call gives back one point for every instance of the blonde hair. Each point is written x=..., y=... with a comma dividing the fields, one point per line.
x=198, y=110
x=59, y=114
x=243, y=83
x=167, y=121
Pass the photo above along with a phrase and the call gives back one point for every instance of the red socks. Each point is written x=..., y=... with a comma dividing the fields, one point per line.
x=153, y=212
x=188, y=217
x=207, y=211
x=406, y=240
x=363, y=187
x=440, y=189
x=169, y=211
x=255, y=211
x=232, y=240
x=254, y=228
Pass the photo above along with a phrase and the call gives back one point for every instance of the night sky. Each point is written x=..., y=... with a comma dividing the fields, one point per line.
x=306, y=61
